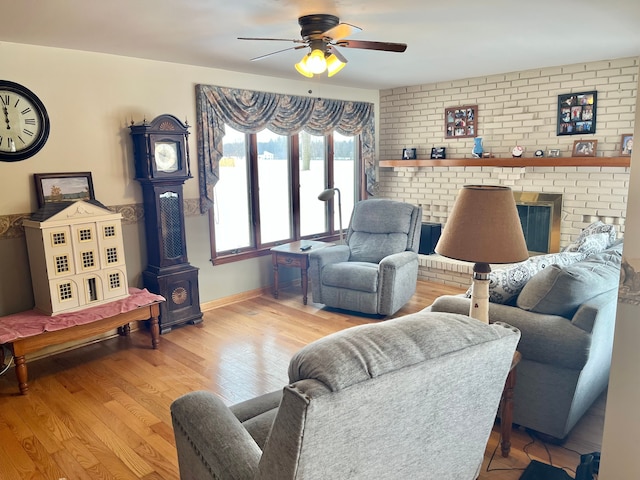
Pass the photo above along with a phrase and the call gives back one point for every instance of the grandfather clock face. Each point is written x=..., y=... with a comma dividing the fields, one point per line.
x=166, y=156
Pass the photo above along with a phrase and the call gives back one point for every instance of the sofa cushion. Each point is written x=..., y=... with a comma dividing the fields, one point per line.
x=557, y=290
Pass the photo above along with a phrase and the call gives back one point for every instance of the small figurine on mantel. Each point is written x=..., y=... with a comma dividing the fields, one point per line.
x=517, y=151
x=477, y=147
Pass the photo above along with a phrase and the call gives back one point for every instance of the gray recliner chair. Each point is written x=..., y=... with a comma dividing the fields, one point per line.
x=377, y=270
x=412, y=397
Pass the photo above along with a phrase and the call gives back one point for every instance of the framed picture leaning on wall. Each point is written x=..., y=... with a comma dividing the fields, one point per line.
x=584, y=148
x=63, y=187
x=577, y=113
x=626, y=144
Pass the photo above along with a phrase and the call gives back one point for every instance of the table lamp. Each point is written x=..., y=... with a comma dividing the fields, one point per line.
x=327, y=195
x=484, y=228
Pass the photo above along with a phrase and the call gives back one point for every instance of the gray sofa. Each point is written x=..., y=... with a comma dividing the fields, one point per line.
x=566, y=315
x=413, y=397
x=377, y=270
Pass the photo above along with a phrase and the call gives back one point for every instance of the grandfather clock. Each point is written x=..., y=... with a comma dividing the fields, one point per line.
x=161, y=157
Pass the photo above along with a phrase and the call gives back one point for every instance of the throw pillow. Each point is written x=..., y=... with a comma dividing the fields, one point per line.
x=603, y=233
x=505, y=284
x=594, y=243
x=560, y=290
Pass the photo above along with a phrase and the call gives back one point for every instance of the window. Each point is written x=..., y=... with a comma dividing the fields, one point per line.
x=62, y=264
x=112, y=255
x=65, y=292
x=59, y=238
x=268, y=189
x=85, y=234
x=313, y=172
x=114, y=281
x=88, y=259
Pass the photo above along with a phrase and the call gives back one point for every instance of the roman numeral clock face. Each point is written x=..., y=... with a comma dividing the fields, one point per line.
x=24, y=123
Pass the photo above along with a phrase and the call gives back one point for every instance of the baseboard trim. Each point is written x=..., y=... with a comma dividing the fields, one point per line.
x=238, y=297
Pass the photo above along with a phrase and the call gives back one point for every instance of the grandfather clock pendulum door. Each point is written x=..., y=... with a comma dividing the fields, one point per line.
x=161, y=155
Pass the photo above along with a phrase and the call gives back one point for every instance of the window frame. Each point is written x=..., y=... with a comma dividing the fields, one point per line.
x=257, y=249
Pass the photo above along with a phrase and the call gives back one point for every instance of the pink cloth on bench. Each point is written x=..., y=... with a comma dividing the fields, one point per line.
x=33, y=322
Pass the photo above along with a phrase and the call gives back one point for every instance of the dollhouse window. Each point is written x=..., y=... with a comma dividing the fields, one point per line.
x=59, y=238
x=114, y=280
x=88, y=259
x=64, y=291
x=112, y=255
x=110, y=231
x=85, y=234
x=62, y=264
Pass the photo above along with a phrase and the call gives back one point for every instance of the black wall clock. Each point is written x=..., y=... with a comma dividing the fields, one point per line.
x=25, y=124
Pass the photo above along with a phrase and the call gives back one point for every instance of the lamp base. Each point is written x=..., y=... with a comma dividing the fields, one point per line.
x=479, y=308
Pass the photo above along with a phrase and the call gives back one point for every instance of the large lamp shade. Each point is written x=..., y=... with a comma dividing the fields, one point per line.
x=484, y=228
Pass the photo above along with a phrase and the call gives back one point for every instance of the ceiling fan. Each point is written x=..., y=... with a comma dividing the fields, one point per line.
x=321, y=34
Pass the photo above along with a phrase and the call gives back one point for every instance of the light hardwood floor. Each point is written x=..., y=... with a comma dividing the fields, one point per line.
x=102, y=411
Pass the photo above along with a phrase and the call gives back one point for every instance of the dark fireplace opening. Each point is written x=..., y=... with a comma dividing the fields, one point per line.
x=535, y=221
x=540, y=219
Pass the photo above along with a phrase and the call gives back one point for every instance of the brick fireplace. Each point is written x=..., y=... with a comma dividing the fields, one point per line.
x=588, y=194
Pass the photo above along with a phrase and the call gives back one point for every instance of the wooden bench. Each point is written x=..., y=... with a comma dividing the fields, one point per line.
x=27, y=332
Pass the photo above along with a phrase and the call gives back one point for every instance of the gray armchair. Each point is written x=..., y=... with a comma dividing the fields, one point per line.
x=413, y=397
x=377, y=270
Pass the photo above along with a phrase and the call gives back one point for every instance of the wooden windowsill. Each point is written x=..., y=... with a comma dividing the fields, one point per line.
x=513, y=162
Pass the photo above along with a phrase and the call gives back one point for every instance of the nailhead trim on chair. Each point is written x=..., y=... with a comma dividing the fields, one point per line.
x=183, y=431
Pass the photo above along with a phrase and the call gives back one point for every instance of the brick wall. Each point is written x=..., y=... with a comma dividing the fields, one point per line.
x=518, y=108
x=514, y=108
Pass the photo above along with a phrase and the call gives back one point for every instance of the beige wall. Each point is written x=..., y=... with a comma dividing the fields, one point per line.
x=91, y=99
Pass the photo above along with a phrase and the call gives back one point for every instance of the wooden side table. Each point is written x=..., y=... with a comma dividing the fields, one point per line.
x=290, y=255
x=506, y=406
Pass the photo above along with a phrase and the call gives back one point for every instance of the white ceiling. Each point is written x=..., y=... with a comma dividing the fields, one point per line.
x=446, y=39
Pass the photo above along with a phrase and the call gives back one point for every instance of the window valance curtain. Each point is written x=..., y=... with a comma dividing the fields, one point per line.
x=250, y=111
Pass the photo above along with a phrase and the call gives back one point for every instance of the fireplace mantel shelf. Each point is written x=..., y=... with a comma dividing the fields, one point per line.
x=513, y=162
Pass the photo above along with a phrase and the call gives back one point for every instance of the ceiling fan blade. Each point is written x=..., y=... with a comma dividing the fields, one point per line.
x=340, y=31
x=273, y=39
x=337, y=53
x=367, y=45
x=278, y=51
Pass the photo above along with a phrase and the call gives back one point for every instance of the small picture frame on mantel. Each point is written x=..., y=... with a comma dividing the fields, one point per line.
x=438, y=153
x=584, y=148
x=409, y=154
x=626, y=144
x=461, y=122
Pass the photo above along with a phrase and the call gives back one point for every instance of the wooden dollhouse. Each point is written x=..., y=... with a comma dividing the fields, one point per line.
x=76, y=256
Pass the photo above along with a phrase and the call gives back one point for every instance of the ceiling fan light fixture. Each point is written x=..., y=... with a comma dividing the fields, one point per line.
x=302, y=68
x=334, y=65
x=315, y=61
